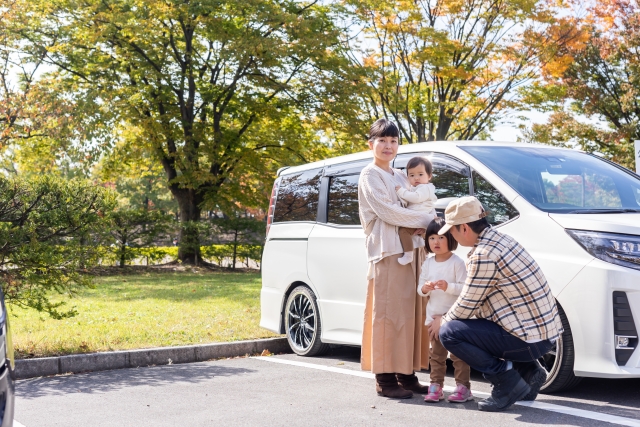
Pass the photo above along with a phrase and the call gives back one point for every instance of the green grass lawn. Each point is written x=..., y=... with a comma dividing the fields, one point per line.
x=146, y=310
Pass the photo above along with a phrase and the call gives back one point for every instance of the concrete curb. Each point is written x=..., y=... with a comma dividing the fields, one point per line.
x=76, y=363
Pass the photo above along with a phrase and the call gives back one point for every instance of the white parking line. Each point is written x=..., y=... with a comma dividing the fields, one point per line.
x=613, y=419
x=17, y=424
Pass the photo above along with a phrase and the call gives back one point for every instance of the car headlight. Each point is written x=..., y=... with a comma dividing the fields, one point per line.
x=621, y=249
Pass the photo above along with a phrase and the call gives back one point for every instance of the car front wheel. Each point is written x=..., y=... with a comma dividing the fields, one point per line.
x=302, y=323
x=559, y=361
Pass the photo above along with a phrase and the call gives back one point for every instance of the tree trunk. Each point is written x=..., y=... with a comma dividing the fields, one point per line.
x=421, y=129
x=235, y=248
x=444, y=124
x=123, y=254
x=189, y=241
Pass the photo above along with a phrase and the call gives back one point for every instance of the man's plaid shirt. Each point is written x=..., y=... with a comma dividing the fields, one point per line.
x=505, y=285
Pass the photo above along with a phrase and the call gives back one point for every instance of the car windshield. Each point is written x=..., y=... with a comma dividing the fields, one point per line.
x=563, y=181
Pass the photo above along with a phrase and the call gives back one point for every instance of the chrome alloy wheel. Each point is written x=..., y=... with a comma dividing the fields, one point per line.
x=301, y=322
x=560, y=360
x=551, y=362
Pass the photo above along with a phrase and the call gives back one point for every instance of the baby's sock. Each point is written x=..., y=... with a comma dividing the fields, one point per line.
x=406, y=258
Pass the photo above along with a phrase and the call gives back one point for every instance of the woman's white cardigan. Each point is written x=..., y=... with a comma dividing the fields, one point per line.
x=381, y=212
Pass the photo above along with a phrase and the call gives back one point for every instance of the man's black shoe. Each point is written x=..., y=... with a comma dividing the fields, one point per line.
x=508, y=387
x=533, y=374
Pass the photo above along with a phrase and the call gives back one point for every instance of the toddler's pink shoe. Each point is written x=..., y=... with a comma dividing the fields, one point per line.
x=460, y=394
x=435, y=393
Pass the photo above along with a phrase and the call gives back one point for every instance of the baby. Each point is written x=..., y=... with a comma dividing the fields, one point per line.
x=421, y=197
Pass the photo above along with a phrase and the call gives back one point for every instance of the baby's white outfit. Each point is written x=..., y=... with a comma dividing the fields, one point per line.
x=454, y=271
x=422, y=197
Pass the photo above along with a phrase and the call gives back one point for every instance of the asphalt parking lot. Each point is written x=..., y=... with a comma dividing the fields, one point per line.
x=287, y=390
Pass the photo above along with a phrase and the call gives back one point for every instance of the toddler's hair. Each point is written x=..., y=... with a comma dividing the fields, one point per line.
x=433, y=228
x=383, y=127
x=417, y=161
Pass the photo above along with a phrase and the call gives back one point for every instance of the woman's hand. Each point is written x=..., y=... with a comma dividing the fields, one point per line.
x=397, y=187
x=419, y=231
x=441, y=284
x=428, y=287
x=434, y=328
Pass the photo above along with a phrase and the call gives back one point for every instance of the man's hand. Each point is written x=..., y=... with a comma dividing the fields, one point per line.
x=434, y=328
x=419, y=231
x=428, y=287
x=397, y=187
x=441, y=284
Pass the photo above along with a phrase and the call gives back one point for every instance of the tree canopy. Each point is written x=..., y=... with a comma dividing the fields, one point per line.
x=189, y=82
x=448, y=69
x=597, y=80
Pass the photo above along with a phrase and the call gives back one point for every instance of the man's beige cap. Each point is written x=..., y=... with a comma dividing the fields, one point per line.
x=462, y=211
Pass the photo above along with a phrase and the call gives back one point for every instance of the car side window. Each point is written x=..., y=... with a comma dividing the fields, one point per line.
x=343, y=200
x=450, y=176
x=298, y=196
x=499, y=209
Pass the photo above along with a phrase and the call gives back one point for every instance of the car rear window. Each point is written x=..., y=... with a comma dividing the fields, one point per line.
x=298, y=196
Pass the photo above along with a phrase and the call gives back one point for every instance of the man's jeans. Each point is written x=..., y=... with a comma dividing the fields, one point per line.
x=486, y=347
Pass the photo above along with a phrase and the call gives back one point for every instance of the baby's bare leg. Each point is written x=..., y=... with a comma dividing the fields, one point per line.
x=406, y=239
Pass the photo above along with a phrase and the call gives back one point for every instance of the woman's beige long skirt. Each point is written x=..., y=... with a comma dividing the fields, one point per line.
x=394, y=337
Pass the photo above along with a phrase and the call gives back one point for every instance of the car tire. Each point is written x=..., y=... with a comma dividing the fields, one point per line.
x=302, y=323
x=559, y=362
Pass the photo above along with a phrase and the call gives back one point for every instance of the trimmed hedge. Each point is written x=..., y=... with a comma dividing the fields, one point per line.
x=221, y=255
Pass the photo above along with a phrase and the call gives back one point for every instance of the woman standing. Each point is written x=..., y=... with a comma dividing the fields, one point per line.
x=394, y=342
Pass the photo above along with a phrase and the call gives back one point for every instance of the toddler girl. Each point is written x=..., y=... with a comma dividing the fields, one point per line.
x=421, y=197
x=442, y=279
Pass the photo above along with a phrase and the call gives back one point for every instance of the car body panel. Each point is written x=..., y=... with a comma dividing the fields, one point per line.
x=587, y=303
x=337, y=264
x=623, y=223
x=285, y=261
x=7, y=377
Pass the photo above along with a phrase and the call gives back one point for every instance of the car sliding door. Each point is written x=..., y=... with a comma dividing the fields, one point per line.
x=336, y=256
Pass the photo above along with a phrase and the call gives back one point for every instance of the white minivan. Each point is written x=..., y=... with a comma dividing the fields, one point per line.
x=577, y=214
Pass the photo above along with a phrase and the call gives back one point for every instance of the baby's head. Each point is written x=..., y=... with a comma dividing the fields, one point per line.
x=419, y=171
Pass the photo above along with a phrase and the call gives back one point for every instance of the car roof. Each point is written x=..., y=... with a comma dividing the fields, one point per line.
x=440, y=146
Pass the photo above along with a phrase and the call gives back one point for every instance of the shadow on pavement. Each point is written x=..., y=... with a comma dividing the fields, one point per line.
x=618, y=397
x=343, y=352
x=523, y=414
x=98, y=382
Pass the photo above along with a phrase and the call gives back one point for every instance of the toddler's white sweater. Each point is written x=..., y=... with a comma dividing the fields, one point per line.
x=454, y=271
x=422, y=197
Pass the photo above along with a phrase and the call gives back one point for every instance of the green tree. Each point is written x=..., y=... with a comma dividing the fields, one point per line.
x=44, y=123
x=240, y=229
x=190, y=80
x=138, y=181
x=47, y=230
x=134, y=228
